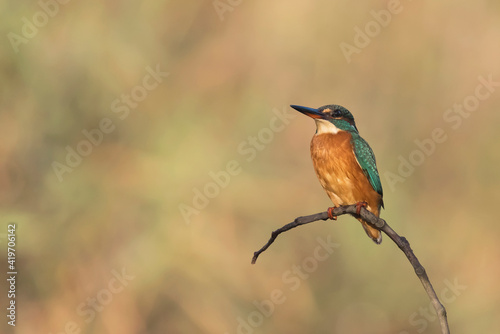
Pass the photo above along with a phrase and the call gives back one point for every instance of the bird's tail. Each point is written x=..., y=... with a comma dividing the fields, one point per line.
x=372, y=232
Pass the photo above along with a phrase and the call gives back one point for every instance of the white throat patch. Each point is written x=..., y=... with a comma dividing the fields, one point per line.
x=324, y=126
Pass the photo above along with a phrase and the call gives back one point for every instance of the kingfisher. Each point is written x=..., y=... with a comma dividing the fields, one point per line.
x=345, y=163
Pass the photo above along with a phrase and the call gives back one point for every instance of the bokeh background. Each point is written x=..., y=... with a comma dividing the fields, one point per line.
x=121, y=241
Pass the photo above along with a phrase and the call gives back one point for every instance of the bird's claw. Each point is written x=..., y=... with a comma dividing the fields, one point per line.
x=360, y=205
x=330, y=213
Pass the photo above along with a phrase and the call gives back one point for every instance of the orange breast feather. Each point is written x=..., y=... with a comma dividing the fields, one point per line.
x=339, y=172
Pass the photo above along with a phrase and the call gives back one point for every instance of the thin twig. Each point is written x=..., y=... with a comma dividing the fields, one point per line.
x=382, y=225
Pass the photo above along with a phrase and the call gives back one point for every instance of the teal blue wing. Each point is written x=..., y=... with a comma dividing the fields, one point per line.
x=366, y=160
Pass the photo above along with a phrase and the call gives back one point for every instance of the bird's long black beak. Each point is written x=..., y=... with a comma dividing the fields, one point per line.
x=311, y=112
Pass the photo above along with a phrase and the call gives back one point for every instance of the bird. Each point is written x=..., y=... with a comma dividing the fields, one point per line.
x=344, y=163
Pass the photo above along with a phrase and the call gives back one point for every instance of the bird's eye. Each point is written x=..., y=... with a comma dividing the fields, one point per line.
x=336, y=113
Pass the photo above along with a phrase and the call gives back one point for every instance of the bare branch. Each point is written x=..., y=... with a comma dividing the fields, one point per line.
x=382, y=225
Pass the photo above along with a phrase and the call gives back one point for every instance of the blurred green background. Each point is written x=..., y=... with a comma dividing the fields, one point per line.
x=116, y=237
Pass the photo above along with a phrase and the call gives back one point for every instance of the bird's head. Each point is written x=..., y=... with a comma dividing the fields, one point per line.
x=331, y=118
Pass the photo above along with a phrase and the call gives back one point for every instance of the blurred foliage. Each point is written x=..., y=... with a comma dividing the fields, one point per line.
x=231, y=70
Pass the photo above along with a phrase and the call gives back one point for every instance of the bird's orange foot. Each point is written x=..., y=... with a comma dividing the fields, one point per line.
x=360, y=205
x=330, y=213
